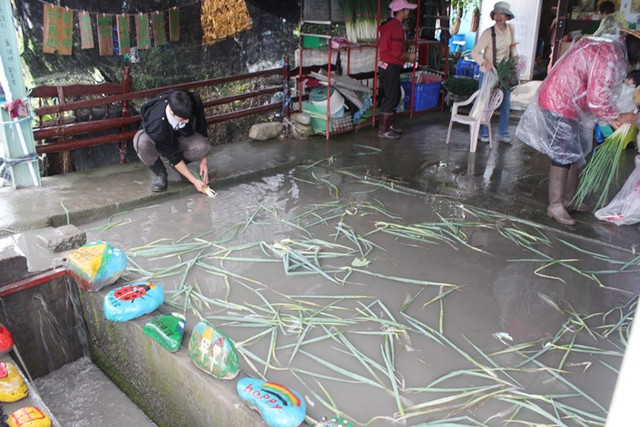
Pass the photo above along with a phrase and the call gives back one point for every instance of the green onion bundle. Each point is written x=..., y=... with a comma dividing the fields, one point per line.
x=349, y=21
x=506, y=70
x=603, y=167
x=209, y=191
x=360, y=19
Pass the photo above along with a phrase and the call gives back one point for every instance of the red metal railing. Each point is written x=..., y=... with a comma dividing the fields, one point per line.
x=31, y=281
x=65, y=136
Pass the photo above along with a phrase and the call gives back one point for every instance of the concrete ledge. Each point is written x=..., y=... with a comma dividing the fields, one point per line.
x=13, y=262
x=62, y=238
x=166, y=386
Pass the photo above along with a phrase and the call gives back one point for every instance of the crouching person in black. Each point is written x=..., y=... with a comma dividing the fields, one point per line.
x=174, y=126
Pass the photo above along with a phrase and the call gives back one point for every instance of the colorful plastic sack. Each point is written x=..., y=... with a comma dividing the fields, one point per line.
x=333, y=422
x=12, y=386
x=96, y=265
x=6, y=340
x=624, y=209
x=132, y=301
x=213, y=352
x=279, y=405
x=167, y=329
x=29, y=416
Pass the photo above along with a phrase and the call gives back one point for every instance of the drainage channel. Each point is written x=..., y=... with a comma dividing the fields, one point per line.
x=51, y=353
x=89, y=397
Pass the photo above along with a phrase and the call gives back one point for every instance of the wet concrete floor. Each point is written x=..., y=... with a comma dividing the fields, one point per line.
x=338, y=287
x=510, y=179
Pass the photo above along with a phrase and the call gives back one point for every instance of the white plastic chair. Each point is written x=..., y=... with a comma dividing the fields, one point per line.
x=483, y=117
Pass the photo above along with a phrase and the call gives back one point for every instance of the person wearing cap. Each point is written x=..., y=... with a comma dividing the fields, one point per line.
x=581, y=89
x=505, y=47
x=174, y=126
x=392, y=58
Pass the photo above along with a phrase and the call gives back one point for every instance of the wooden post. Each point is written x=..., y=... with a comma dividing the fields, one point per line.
x=16, y=134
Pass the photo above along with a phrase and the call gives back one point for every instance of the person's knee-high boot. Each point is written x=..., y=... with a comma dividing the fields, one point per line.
x=384, y=130
x=573, y=180
x=393, y=127
x=557, y=184
x=159, y=182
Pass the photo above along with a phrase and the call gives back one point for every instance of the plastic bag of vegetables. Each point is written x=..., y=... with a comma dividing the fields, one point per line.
x=625, y=207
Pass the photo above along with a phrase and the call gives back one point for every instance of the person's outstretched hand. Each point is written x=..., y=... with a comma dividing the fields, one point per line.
x=630, y=118
x=200, y=186
x=204, y=171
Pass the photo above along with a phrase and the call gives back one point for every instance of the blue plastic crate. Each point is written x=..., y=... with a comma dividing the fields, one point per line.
x=467, y=68
x=427, y=95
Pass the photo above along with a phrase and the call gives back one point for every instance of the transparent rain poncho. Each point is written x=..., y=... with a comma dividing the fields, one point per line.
x=581, y=89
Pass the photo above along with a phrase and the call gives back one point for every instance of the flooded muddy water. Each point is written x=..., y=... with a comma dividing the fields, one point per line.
x=380, y=304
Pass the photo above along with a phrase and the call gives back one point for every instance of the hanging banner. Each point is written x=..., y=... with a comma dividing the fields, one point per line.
x=223, y=18
x=58, y=30
x=124, y=34
x=142, y=31
x=66, y=29
x=157, y=23
x=86, y=31
x=105, y=34
x=51, y=34
x=174, y=25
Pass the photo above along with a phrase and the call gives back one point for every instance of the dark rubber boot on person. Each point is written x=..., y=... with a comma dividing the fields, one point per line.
x=573, y=179
x=393, y=127
x=557, y=184
x=159, y=181
x=384, y=129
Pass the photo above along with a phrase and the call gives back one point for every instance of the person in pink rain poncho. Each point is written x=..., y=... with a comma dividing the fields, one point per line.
x=581, y=89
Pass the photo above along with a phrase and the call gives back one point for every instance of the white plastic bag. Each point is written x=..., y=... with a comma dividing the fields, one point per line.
x=625, y=100
x=489, y=82
x=624, y=209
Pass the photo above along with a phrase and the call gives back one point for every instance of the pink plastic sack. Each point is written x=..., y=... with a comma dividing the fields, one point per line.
x=624, y=209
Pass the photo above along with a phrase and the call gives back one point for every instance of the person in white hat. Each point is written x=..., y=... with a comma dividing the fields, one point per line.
x=505, y=47
x=391, y=60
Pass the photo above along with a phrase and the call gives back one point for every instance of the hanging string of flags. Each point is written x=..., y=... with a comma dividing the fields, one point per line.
x=219, y=19
x=58, y=30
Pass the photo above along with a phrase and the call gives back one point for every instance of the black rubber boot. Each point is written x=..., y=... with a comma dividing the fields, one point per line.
x=393, y=127
x=384, y=130
x=159, y=182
